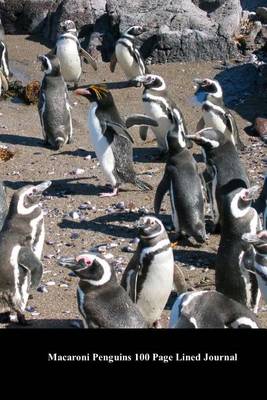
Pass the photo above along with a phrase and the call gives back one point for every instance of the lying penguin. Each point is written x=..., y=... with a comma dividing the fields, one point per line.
x=54, y=107
x=215, y=114
x=102, y=302
x=21, y=244
x=110, y=138
x=209, y=309
x=70, y=53
x=127, y=55
x=182, y=181
x=148, y=278
x=256, y=260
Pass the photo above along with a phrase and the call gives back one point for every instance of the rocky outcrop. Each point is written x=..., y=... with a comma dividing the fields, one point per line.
x=176, y=30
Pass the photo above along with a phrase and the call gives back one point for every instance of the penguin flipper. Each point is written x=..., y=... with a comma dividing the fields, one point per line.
x=162, y=188
x=113, y=62
x=119, y=129
x=231, y=125
x=89, y=58
x=143, y=132
x=28, y=260
x=140, y=119
x=200, y=124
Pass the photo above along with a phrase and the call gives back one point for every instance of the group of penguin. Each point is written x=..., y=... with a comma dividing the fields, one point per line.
x=139, y=299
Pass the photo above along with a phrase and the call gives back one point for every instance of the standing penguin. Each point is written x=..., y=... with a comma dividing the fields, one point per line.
x=127, y=55
x=236, y=218
x=2, y=31
x=3, y=205
x=215, y=115
x=4, y=67
x=256, y=260
x=159, y=106
x=110, y=138
x=148, y=278
x=182, y=181
x=208, y=309
x=21, y=243
x=69, y=51
x=260, y=204
x=53, y=106
x=102, y=302
x=224, y=167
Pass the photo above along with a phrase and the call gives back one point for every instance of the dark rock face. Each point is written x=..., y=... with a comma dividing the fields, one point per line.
x=177, y=30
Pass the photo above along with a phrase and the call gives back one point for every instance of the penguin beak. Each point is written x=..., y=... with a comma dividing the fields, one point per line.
x=251, y=193
x=139, y=79
x=41, y=187
x=82, y=92
x=71, y=263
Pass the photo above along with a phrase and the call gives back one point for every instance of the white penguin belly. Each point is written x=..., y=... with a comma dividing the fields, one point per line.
x=102, y=148
x=156, y=287
x=70, y=62
x=213, y=121
x=128, y=64
x=155, y=111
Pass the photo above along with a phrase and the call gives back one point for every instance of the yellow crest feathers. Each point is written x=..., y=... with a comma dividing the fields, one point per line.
x=100, y=90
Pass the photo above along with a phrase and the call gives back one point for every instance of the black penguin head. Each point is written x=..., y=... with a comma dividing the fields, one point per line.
x=149, y=227
x=24, y=200
x=134, y=31
x=209, y=138
x=96, y=93
x=151, y=81
x=207, y=89
x=258, y=241
x=241, y=199
x=89, y=268
x=68, y=26
x=50, y=64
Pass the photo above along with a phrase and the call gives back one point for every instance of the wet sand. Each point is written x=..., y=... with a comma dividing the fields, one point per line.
x=20, y=130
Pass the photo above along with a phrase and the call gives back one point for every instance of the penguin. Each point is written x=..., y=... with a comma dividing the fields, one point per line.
x=110, y=138
x=102, y=302
x=5, y=73
x=54, y=107
x=148, y=278
x=236, y=218
x=209, y=309
x=215, y=114
x=159, y=106
x=224, y=167
x=21, y=243
x=182, y=181
x=127, y=55
x=260, y=204
x=69, y=52
x=256, y=260
x=3, y=205
x=2, y=31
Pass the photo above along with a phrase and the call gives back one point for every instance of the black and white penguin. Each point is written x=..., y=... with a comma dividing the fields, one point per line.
x=110, y=138
x=102, y=302
x=54, y=107
x=2, y=31
x=69, y=51
x=159, y=106
x=224, y=169
x=148, y=278
x=3, y=205
x=260, y=204
x=182, y=181
x=236, y=218
x=21, y=244
x=215, y=114
x=5, y=73
x=256, y=261
x=209, y=309
x=127, y=55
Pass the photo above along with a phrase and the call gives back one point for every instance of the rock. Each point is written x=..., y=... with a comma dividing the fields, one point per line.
x=50, y=283
x=42, y=289
x=262, y=14
x=120, y=205
x=260, y=127
x=74, y=235
x=74, y=215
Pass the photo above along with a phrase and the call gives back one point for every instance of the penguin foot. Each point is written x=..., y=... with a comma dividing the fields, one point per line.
x=22, y=320
x=5, y=318
x=109, y=194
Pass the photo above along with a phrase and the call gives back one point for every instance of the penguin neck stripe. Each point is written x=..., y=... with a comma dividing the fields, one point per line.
x=25, y=210
x=106, y=275
x=69, y=36
x=191, y=296
x=160, y=246
x=5, y=67
x=243, y=321
x=147, y=97
x=235, y=210
x=214, y=107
